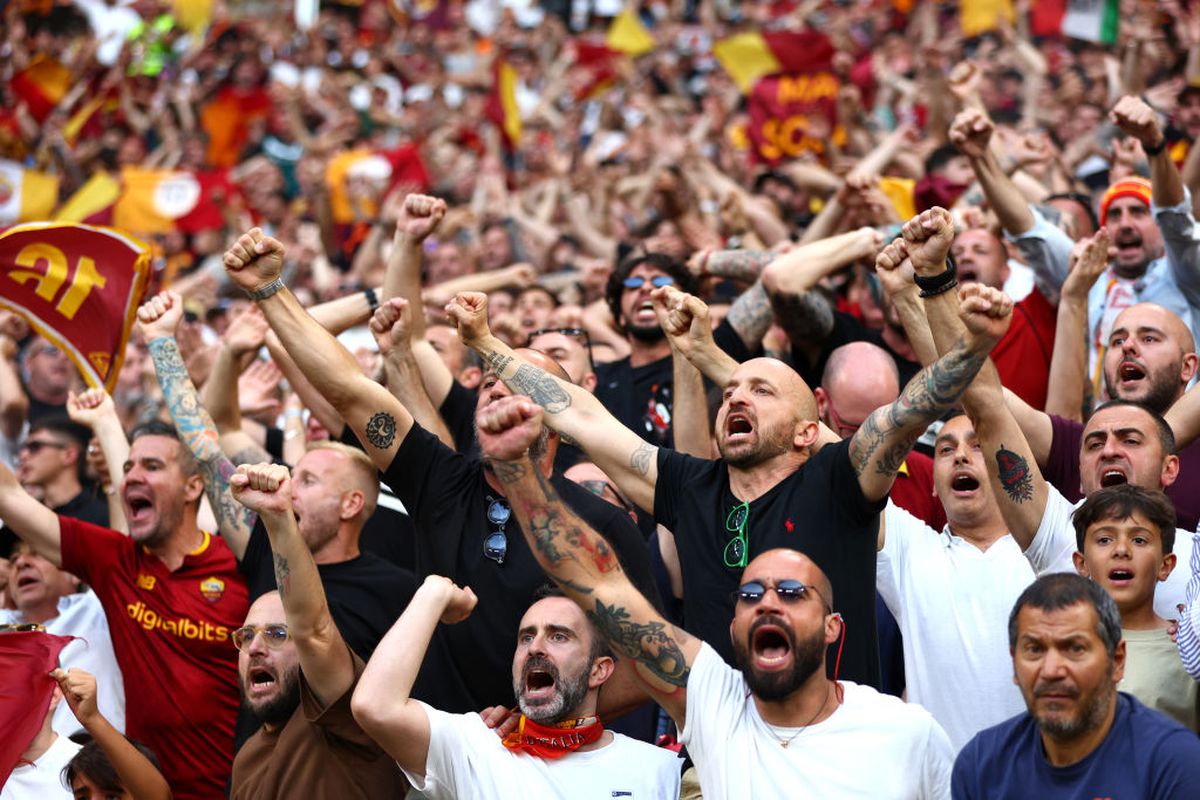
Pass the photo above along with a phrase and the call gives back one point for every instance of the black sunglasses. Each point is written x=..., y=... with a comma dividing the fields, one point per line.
x=38, y=445
x=637, y=281
x=788, y=590
x=495, y=546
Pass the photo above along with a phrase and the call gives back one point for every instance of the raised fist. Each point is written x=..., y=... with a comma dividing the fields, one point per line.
x=254, y=260
x=264, y=488
x=420, y=216
x=971, y=132
x=927, y=238
x=508, y=427
x=468, y=310
x=986, y=312
x=160, y=316
x=1136, y=119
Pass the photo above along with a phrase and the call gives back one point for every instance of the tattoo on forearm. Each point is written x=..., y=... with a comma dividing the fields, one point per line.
x=508, y=471
x=1015, y=476
x=926, y=397
x=639, y=459
x=741, y=265
x=541, y=388
x=650, y=643
x=192, y=421
x=381, y=430
x=806, y=317
x=751, y=315
x=498, y=362
x=283, y=575
x=233, y=518
x=250, y=455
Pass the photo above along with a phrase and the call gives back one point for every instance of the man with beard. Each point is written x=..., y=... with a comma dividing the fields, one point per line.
x=560, y=744
x=458, y=509
x=1157, y=248
x=1080, y=737
x=172, y=595
x=296, y=672
x=638, y=388
x=780, y=482
x=739, y=725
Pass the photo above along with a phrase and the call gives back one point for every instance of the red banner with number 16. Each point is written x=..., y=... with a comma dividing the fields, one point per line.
x=79, y=286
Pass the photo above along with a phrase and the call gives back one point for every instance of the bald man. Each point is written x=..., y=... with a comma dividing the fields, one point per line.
x=1149, y=358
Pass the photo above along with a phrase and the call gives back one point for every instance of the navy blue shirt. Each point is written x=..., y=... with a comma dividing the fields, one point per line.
x=1146, y=756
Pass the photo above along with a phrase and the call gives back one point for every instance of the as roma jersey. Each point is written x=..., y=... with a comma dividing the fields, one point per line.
x=171, y=633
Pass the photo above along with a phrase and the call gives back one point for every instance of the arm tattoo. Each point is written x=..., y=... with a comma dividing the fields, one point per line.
x=283, y=575
x=896, y=427
x=541, y=388
x=250, y=455
x=639, y=459
x=1015, y=476
x=497, y=362
x=751, y=315
x=741, y=265
x=806, y=317
x=381, y=430
x=195, y=426
x=232, y=517
x=508, y=471
x=650, y=643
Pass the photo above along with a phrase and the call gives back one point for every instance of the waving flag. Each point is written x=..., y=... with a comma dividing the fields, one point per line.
x=42, y=85
x=502, y=104
x=26, y=659
x=25, y=194
x=383, y=169
x=1090, y=20
x=79, y=286
x=792, y=90
x=628, y=35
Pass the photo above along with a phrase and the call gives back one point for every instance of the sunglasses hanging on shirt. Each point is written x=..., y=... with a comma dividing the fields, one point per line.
x=495, y=546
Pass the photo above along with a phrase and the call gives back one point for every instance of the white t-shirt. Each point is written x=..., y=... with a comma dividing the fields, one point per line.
x=952, y=602
x=81, y=615
x=42, y=780
x=467, y=760
x=873, y=746
x=1056, y=536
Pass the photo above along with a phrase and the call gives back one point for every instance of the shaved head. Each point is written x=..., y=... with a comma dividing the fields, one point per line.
x=786, y=379
x=863, y=370
x=783, y=562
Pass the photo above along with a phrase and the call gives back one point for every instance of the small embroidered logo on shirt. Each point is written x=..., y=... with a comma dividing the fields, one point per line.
x=212, y=588
x=146, y=582
x=788, y=524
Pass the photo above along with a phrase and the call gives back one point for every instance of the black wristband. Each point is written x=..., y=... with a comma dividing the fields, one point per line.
x=372, y=299
x=1153, y=151
x=937, y=284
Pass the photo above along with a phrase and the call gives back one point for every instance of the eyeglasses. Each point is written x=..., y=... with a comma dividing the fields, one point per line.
x=637, y=281
x=787, y=590
x=38, y=445
x=274, y=635
x=22, y=627
x=737, y=551
x=495, y=546
x=843, y=429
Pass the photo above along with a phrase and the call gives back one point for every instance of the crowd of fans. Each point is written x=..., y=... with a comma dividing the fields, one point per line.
x=610, y=452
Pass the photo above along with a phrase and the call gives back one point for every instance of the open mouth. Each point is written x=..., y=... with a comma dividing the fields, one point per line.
x=738, y=425
x=539, y=683
x=262, y=680
x=645, y=311
x=967, y=275
x=26, y=580
x=1112, y=477
x=140, y=506
x=1129, y=371
x=964, y=482
x=1120, y=576
x=770, y=646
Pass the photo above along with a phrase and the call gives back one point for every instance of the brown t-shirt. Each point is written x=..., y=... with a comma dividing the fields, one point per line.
x=320, y=752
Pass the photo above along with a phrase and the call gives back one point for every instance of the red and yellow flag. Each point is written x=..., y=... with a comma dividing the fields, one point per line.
x=502, y=104
x=357, y=176
x=42, y=85
x=79, y=286
x=26, y=659
x=628, y=35
x=791, y=90
x=25, y=194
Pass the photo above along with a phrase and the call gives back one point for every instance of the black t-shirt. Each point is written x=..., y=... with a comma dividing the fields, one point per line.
x=846, y=329
x=642, y=398
x=448, y=497
x=366, y=594
x=458, y=412
x=819, y=510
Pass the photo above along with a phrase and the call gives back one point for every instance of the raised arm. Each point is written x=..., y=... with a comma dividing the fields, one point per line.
x=31, y=521
x=684, y=318
x=571, y=410
x=882, y=442
x=1068, y=365
x=159, y=318
x=136, y=773
x=325, y=659
x=382, y=702
x=419, y=216
x=379, y=420
x=94, y=409
x=391, y=327
x=971, y=132
x=581, y=562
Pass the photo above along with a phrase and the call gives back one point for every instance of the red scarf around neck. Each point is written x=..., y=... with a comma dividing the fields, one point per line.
x=554, y=741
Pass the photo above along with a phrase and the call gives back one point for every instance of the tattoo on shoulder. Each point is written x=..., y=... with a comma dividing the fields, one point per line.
x=652, y=643
x=640, y=458
x=541, y=388
x=283, y=575
x=381, y=430
x=1015, y=475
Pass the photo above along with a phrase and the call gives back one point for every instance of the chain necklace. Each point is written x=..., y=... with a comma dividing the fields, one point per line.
x=785, y=742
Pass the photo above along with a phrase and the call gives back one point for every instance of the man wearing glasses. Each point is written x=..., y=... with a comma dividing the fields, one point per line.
x=49, y=463
x=297, y=673
x=775, y=721
x=458, y=509
x=780, y=482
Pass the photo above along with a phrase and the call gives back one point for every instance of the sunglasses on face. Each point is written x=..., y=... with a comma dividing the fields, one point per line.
x=495, y=546
x=788, y=590
x=38, y=445
x=637, y=281
x=273, y=635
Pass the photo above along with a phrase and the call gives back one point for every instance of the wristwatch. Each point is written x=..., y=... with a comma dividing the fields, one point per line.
x=265, y=291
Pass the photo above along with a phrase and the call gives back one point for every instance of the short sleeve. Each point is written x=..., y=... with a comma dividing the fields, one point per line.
x=335, y=718
x=962, y=784
x=453, y=746
x=1176, y=767
x=891, y=565
x=89, y=551
x=716, y=693
x=1054, y=543
x=845, y=486
x=675, y=472
x=939, y=762
x=424, y=473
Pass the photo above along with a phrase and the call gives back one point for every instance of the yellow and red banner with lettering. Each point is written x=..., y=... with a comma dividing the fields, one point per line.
x=79, y=286
x=791, y=91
